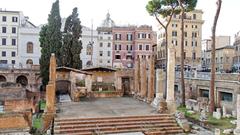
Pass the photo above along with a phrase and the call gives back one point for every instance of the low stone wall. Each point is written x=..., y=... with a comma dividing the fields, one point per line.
x=107, y=94
x=15, y=121
x=19, y=105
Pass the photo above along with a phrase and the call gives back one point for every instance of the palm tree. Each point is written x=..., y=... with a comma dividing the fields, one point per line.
x=166, y=9
x=213, y=69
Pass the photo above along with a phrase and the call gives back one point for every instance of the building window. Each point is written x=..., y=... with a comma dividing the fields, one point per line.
x=4, y=18
x=89, y=50
x=109, y=38
x=194, y=16
x=186, y=43
x=101, y=38
x=127, y=47
x=131, y=47
x=120, y=47
x=196, y=43
x=226, y=96
x=13, y=42
x=3, y=53
x=3, y=61
x=186, y=26
x=140, y=47
x=118, y=57
x=149, y=36
x=117, y=36
x=14, y=19
x=174, y=42
x=129, y=37
x=147, y=47
x=194, y=55
x=109, y=44
x=4, y=30
x=116, y=47
x=192, y=43
x=174, y=33
x=29, y=61
x=13, y=54
x=108, y=61
x=13, y=29
x=4, y=41
x=185, y=34
x=101, y=44
x=109, y=53
x=29, y=47
x=13, y=61
x=100, y=53
x=185, y=54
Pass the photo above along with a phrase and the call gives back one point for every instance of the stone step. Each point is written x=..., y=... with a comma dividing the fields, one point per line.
x=113, y=120
x=114, y=124
x=117, y=117
x=116, y=128
x=159, y=131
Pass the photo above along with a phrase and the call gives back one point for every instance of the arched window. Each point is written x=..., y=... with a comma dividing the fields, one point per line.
x=2, y=78
x=29, y=47
x=22, y=80
x=29, y=61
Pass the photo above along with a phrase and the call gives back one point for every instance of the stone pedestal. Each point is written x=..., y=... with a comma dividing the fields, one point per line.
x=171, y=103
x=224, y=111
x=237, y=130
x=217, y=131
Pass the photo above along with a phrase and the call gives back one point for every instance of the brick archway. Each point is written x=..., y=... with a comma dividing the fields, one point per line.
x=2, y=78
x=23, y=80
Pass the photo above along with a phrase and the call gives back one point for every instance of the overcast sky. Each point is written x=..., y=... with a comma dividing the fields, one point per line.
x=125, y=12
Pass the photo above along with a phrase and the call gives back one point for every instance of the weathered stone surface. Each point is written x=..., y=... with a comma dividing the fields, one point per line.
x=170, y=81
x=217, y=131
x=151, y=79
x=224, y=111
x=228, y=131
x=143, y=76
x=237, y=130
x=136, y=76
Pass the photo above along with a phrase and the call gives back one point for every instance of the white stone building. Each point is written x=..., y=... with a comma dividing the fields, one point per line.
x=89, y=53
x=19, y=40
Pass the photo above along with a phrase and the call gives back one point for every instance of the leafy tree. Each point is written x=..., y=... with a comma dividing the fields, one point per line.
x=50, y=41
x=213, y=49
x=165, y=9
x=185, y=6
x=72, y=46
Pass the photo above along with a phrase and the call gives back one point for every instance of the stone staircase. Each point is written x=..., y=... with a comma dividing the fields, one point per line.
x=161, y=124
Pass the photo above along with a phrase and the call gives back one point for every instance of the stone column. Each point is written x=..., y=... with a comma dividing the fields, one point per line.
x=50, y=100
x=171, y=104
x=151, y=79
x=237, y=130
x=143, y=78
x=51, y=87
x=136, y=76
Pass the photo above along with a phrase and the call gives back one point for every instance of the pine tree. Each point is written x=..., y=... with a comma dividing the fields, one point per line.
x=72, y=46
x=45, y=55
x=50, y=41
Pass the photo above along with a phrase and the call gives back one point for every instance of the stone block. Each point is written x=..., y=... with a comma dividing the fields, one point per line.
x=217, y=131
x=228, y=131
x=217, y=115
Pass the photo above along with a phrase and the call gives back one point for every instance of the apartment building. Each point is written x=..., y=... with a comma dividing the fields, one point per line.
x=130, y=42
x=224, y=58
x=19, y=44
x=236, y=45
x=192, y=39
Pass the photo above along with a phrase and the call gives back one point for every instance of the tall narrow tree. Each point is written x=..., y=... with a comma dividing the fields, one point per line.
x=72, y=46
x=50, y=41
x=213, y=67
x=186, y=6
x=45, y=55
x=166, y=9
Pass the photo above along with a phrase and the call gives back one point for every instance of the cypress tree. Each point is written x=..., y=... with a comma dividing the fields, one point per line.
x=72, y=45
x=50, y=41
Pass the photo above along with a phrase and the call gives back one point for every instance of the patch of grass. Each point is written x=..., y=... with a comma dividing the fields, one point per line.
x=223, y=123
x=42, y=104
x=37, y=123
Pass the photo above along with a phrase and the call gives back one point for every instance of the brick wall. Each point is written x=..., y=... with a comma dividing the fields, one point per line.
x=18, y=105
x=15, y=121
